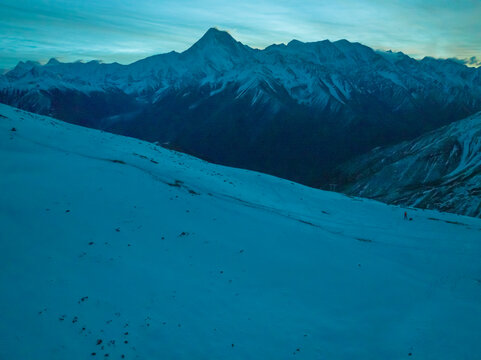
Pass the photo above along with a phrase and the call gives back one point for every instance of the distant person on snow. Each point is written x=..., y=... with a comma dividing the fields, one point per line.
x=405, y=215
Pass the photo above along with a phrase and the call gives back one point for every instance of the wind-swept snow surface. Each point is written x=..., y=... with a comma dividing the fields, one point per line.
x=115, y=248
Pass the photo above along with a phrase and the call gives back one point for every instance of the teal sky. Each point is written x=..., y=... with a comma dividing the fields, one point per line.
x=125, y=31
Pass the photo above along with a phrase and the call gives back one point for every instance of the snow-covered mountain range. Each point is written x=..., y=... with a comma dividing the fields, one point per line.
x=292, y=110
x=114, y=248
x=439, y=170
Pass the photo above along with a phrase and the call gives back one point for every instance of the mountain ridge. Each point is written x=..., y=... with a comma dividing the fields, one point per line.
x=294, y=110
x=439, y=170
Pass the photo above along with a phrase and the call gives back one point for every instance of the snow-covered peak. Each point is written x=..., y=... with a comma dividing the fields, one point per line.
x=23, y=66
x=217, y=43
x=357, y=52
x=27, y=64
x=53, y=61
x=294, y=43
x=217, y=37
x=393, y=57
x=322, y=52
x=323, y=74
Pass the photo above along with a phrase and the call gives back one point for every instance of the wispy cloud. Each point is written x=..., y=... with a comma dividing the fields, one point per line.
x=472, y=61
x=125, y=31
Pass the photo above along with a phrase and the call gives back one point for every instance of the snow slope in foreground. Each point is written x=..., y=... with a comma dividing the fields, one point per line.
x=158, y=255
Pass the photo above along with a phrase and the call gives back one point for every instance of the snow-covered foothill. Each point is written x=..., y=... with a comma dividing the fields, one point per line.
x=439, y=170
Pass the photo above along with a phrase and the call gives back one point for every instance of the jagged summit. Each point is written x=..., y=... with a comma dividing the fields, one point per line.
x=218, y=34
x=216, y=46
x=53, y=61
x=295, y=42
x=29, y=63
x=215, y=37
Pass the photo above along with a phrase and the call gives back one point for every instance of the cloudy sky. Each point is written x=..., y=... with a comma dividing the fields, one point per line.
x=128, y=30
